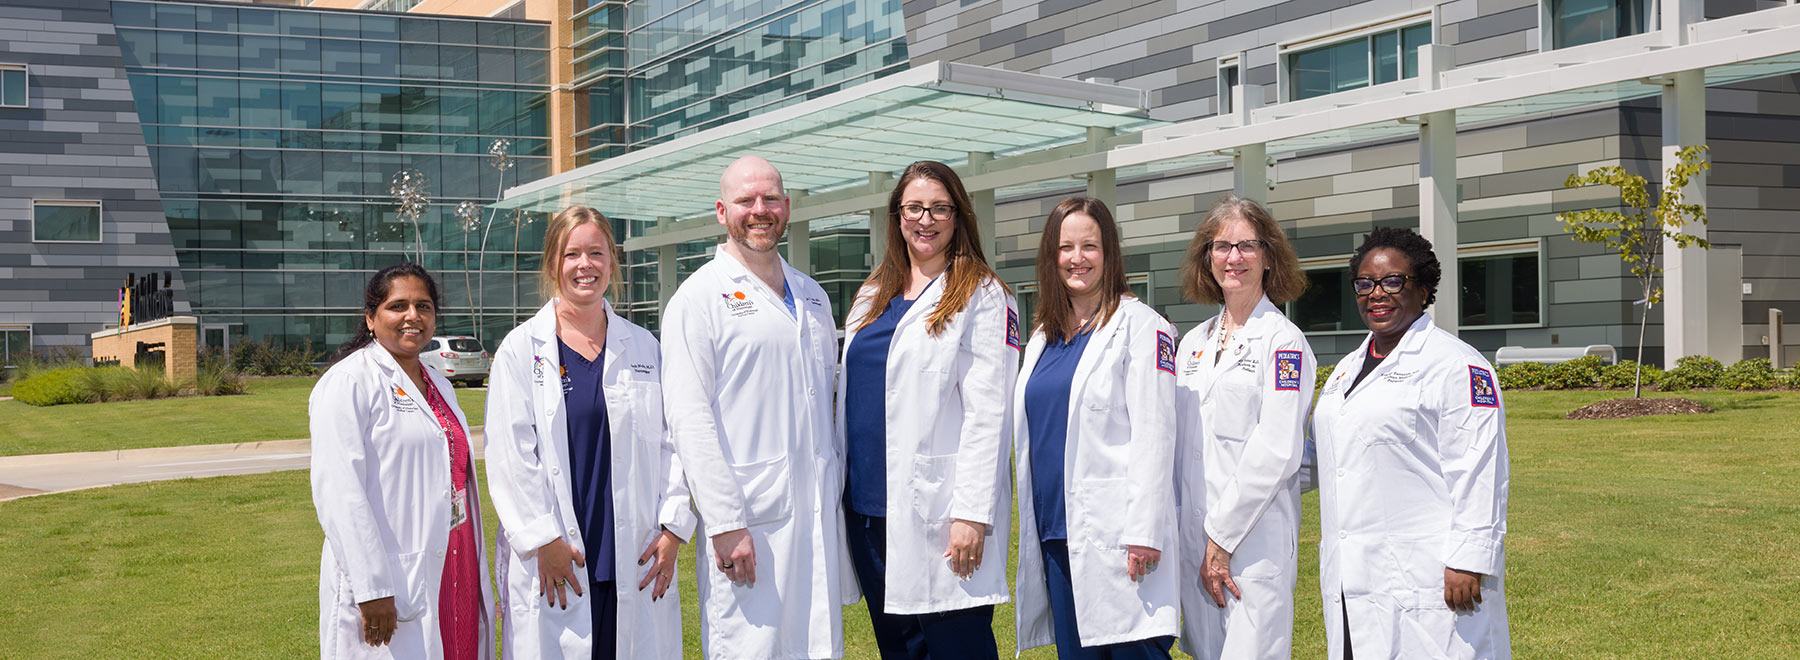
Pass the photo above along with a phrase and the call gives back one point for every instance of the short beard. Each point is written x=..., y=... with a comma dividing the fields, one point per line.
x=740, y=235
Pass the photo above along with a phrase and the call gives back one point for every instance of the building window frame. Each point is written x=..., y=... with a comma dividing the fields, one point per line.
x=10, y=72
x=1288, y=52
x=99, y=219
x=1532, y=246
x=1230, y=77
x=1644, y=21
x=8, y=356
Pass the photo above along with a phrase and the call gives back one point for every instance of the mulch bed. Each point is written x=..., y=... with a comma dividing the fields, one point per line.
x=1623, y=408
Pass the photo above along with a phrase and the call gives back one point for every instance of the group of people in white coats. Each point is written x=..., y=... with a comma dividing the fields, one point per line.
x=811, y=474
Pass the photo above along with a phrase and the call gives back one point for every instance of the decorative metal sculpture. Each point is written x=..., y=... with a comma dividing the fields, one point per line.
x=501, y=150
x=409, y=188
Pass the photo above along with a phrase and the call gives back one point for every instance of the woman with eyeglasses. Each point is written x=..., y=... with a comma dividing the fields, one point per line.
x=930, y=353
x=1095, y=453
x=1411, y=434
x=1244, y=386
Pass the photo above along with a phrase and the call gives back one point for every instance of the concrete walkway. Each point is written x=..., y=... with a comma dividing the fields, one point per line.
x=38, y=474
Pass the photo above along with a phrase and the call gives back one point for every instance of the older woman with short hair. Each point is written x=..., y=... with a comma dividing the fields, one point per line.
x=1244, y=388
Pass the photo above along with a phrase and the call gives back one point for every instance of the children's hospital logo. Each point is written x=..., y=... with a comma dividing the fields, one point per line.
x=738, y=303
x=1287, y=370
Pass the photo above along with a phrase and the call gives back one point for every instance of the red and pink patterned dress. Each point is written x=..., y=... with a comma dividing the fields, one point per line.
x=459, y=595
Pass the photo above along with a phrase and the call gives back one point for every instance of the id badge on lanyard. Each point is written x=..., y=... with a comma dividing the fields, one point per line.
x=459, y=508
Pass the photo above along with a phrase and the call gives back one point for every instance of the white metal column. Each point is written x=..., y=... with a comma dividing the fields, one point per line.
x=799, y=237
x=1250, y=172
x=983, y=200
x=1437, y=211
x=665, y=269
x=1102, y=184
x=879, y=182
x=1685, y=329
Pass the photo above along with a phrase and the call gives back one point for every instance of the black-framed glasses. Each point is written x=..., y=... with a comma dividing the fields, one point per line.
x=1249, y=248
x=917, y=212
x=1392, y=284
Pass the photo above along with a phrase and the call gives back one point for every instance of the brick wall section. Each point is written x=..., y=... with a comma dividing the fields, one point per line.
x=178, y=335
x=79, y=139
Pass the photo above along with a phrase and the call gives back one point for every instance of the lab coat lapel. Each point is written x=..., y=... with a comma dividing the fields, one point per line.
x=1409, y=343
x=400, y=384
x=546, y=360
x=1090, y=359
x=741, y=276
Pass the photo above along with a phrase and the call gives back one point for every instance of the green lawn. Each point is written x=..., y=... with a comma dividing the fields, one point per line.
x=275, y=409
x=1661, y=537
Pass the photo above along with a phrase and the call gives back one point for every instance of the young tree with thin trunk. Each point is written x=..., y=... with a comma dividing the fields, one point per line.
x=1639, y=232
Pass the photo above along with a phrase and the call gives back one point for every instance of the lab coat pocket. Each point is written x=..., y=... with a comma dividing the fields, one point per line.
x=647, y=409
x=765, y=485
x=410, y=601
x=1235, y=413
x=933, y=487
x=1399, y=424
x=1101, y=511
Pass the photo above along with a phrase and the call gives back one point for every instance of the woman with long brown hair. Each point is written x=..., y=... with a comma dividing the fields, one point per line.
x=1095, y=442
x=930, y=353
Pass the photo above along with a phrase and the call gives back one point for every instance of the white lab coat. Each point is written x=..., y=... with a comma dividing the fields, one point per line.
x=1241, y=423
x=1413, y=479
x=528, y=470
x=948, y=431
x=750, y=411
x=381, y=485
x=1119, y=484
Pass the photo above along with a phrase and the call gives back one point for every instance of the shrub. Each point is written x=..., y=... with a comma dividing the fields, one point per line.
x=1621, y=375
x=1789, y=379
x=214, y=376
x=1583, y=371
x=1524, y=375
x=1696, y=371
x=51, y=388
x=266, y=359
x=1322, y=374
x=35, y=362
x=1749, y=374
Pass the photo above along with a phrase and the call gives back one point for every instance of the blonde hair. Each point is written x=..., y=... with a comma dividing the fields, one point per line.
x=556, y=237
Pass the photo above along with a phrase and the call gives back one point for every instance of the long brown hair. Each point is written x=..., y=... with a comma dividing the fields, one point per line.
x=1054, y=306
x=556, y=237
x=965, y=268
x=1282, y=282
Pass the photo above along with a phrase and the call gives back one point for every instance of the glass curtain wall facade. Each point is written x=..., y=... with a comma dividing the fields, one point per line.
x=649, y=71
x=275, y=135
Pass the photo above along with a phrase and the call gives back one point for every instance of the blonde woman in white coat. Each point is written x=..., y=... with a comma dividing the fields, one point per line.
x=1244, y=388
x=592, y=501
x=1095, y=434
x=402, y=573
x=931, y=349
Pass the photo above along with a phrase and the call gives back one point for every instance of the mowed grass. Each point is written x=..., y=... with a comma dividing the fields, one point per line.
x=1660, y=537
x=275, y=409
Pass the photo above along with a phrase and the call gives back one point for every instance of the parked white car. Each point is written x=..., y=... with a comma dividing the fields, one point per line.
x=460, y=359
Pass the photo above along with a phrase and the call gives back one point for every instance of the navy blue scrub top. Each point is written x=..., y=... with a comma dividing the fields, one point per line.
x=1047, y=420
x=590, y=457
x=865, y=412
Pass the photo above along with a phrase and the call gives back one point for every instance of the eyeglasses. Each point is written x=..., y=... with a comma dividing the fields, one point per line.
x=938, y=212
x=1392, y=284
x=1249, y=248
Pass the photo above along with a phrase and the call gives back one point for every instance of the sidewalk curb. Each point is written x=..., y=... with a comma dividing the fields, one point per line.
x=71, y=458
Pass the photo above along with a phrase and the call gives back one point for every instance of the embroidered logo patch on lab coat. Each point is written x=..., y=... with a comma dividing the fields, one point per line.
x=1481, y=388
x=1165, y=352
x=739, y=304
x=401, y=402
x=1012, y=328
x=1287, y=370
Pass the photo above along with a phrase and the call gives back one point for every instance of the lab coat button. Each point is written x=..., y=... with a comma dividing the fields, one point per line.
x=1340, y=472
x=1343, y=535
x=555, y=471
x=811, y=392
x=440, y=554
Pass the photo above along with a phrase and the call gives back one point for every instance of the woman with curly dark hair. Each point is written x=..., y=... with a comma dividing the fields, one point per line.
x=1411, y=434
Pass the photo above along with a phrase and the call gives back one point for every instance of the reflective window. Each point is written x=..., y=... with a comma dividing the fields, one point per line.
x=1500, y=290
x=15, y=343
x=275, y=133
x=1374, y=59
x=69, y=222
x=13, y=92
x=1577, y=22
x=1328, y=304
